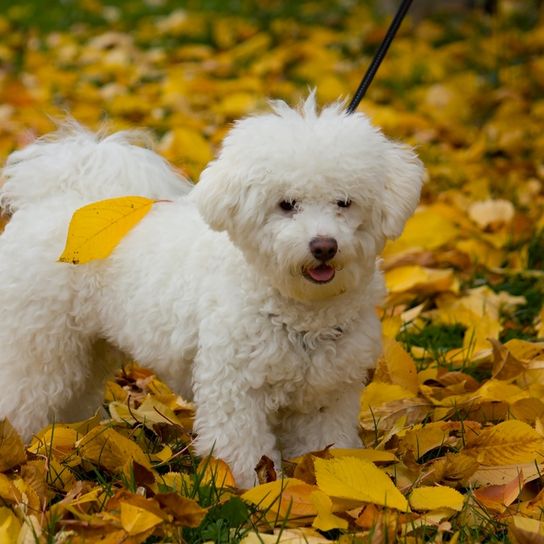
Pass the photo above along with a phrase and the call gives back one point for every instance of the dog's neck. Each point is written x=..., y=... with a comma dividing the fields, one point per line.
x=334, y=315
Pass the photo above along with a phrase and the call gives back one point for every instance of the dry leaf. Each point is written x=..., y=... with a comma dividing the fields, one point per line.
x=289, y=497
x=359, y=480
x=499, y=497
x=111, y=450
x=12, y=450
x=432, y=498
x=506, y=443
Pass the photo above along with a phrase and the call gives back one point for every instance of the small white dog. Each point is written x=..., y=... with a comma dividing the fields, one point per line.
x=253, y=293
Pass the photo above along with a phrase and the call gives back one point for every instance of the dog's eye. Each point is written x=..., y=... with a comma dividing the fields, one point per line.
x=287, y=206
x=343, y=203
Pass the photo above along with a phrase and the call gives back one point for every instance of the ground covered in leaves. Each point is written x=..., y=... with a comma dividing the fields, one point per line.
x=453, y=419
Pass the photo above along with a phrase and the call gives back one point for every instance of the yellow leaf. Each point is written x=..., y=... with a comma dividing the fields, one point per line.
x=8, y=492
x=177, y=481
x=522, y=530
x=163, y=455
x=498, y=390
x=491, y=214
x=96, y=229
x=428, y=228
x=60, y=476
x=329, y=88
x=509, y=442
x=357, y=479
x=433, y=497
x=56, y=440
x=236, y=104
x=289, y=496
x=397, y=367
x=216, y=471
x=375, y=456
x=35, y=474
x=452, y=468
x=106, y=447
x=188, y=147
x=377, y=393
x=325, y=519
x=10, y=526
x=150, y=412
x=136, y=519
x=481, y=253
x=418, y=279
x=12, y=449
x=526, y=351
x=423, y=439
x=394, y=414
x=527, y=410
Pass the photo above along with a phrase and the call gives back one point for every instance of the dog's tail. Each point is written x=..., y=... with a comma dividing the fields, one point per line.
x=93, y=166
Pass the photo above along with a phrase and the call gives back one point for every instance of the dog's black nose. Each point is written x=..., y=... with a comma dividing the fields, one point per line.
x=323, y=248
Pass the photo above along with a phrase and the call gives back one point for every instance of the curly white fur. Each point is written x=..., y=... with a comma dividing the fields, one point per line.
x=211, y=290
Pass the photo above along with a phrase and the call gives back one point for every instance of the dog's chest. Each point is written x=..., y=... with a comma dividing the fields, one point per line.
x=313, y=367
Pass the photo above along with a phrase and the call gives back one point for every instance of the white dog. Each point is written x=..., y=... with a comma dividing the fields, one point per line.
x=253, y=293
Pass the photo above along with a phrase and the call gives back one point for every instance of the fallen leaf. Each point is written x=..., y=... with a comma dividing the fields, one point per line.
x=111, y=450
x=284, y=498
x=12, y=449
x=431, y=498
x=325, y=519
x=216, y=472
x=186, y=512
x=491, y=214
x=522, y=530
x=418, y=279
x=10, y=526
x=136, y=519
x=508, y=442
x=397, y=367
x=499, y=497
x=357, y=479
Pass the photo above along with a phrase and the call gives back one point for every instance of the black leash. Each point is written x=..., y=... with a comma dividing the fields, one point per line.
x=379, y=56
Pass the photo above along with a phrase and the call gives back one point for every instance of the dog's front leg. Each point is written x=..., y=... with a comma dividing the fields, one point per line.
x=231, y=424
x=336, y=422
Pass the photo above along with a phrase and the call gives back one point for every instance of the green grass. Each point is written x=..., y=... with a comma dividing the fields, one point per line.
x=435, y=339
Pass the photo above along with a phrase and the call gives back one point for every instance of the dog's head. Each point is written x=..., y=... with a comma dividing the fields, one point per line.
x=310, y=197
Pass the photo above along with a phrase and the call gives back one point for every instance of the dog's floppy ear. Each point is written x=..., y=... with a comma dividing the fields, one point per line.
x=404, y=177
x=215, y=197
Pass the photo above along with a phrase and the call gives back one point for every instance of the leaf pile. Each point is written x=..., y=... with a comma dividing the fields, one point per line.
x=453, y=419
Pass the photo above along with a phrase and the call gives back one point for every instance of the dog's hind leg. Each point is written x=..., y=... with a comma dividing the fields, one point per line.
x=45, y=347
x=42, y=374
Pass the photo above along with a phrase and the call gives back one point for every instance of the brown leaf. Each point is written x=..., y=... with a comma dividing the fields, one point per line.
x=265, y=470
x=499, y=497
x=305, y=469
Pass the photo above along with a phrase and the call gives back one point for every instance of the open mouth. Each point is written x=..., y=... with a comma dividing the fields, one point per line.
x=323, y=273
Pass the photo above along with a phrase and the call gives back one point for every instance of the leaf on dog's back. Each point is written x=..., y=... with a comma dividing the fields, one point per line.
x=96, y=229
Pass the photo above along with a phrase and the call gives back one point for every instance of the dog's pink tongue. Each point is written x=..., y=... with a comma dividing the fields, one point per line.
x=323, y=272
